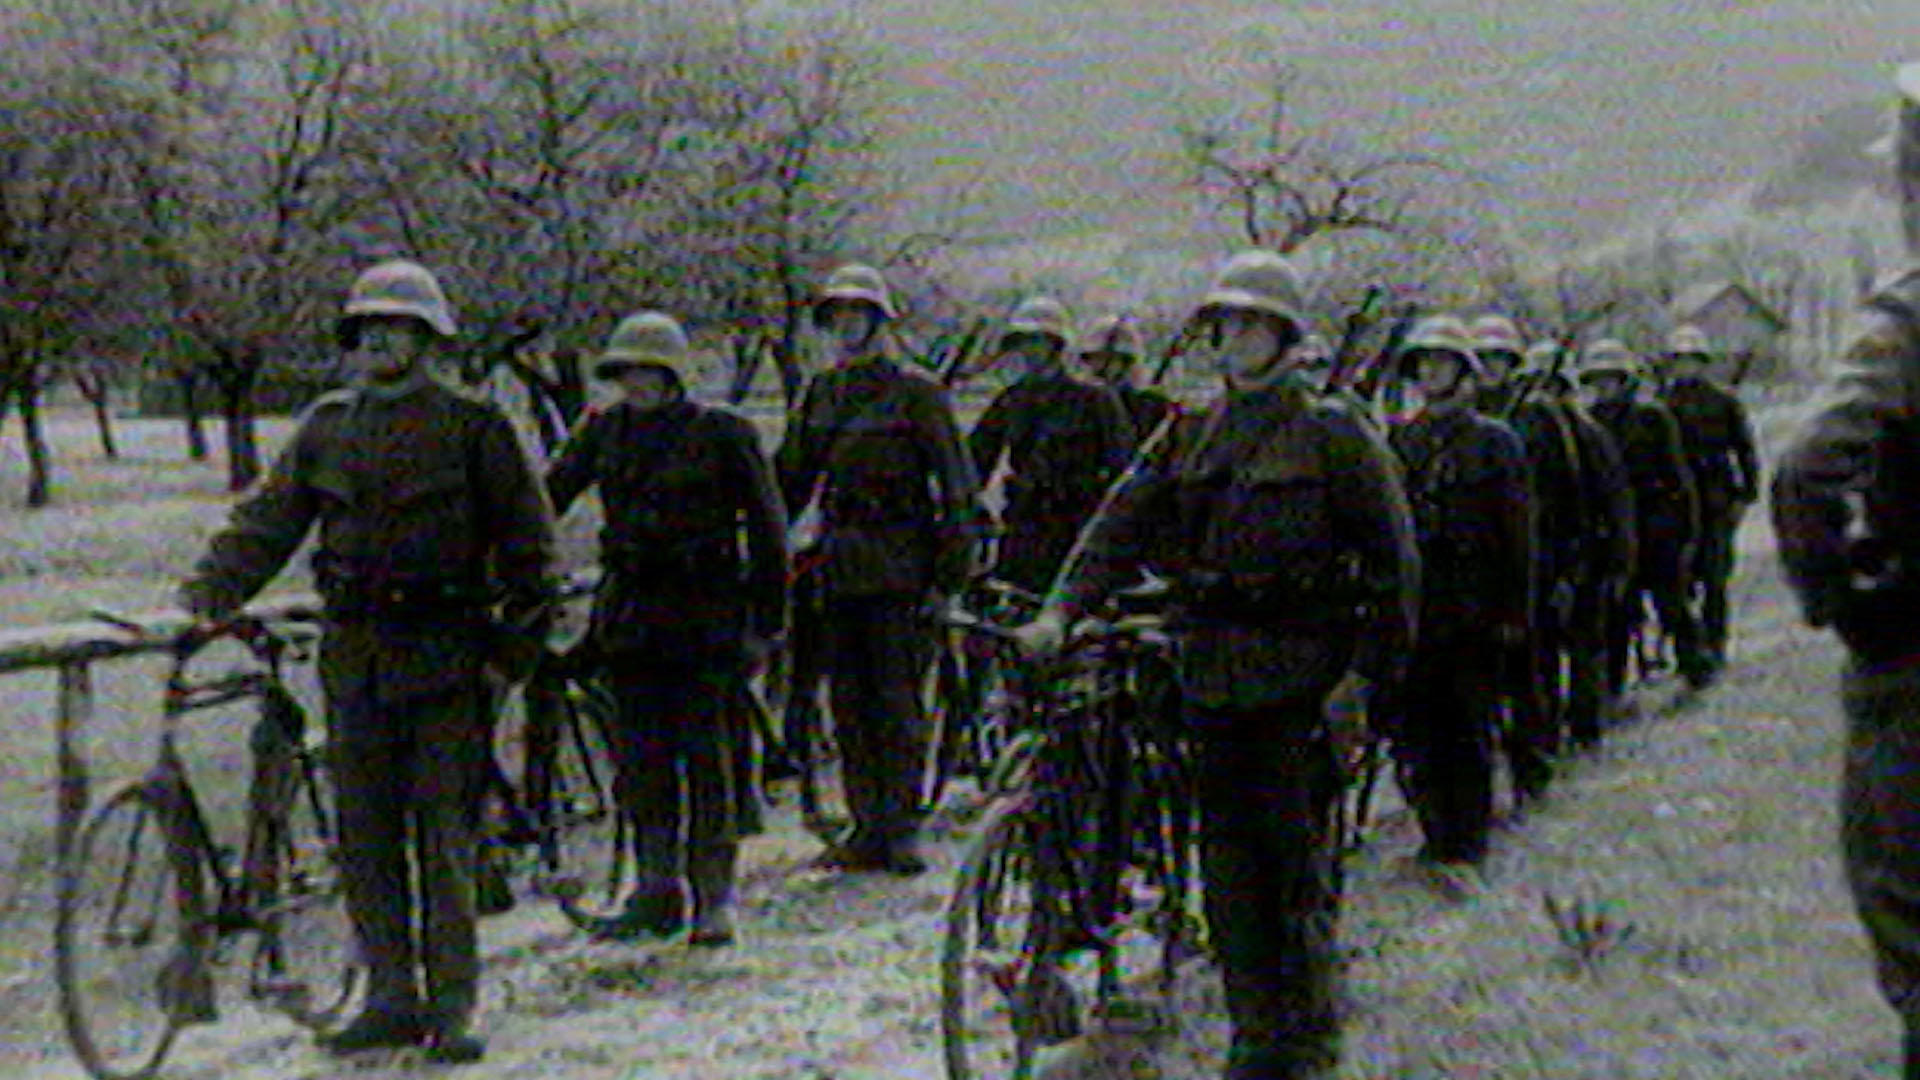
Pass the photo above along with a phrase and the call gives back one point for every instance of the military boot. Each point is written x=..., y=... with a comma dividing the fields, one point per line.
x=710, y=873
x=388, y=1020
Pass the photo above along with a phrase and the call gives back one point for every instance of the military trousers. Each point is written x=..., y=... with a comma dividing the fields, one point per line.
x=1713, y=571
x=1530, y=675
x=1589, y=661
x=681, y=777
x=1268, y=793
x=807, y=655
x=880, y=647
x=1880, y=821
x=407, y=776
x=1441, y=721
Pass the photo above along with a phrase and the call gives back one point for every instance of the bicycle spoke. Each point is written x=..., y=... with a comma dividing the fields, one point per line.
x=128, y=974
x=305, y=961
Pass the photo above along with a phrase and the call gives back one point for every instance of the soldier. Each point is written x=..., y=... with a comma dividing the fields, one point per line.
x=900, y=529
x=1112, y=352
x=1843, y=507
x=428, y=510
x=1064, y=439
x=1281, y=518
x=693, y=583
x=1666, y=511
x=1726, y=472
x=1534, y=672
x=1466, y=478
x=1601, y=563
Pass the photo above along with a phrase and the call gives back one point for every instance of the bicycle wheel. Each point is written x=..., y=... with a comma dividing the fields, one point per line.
x=584, y=835
x=306, y=962
x=124, y=940
x=1004, y=994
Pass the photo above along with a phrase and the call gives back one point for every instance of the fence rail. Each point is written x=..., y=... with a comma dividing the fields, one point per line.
x=72, y=649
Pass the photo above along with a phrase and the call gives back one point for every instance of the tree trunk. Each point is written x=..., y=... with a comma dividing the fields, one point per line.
x=236, y=380
x=189, y=381
x=26, y=397
x=98, y=390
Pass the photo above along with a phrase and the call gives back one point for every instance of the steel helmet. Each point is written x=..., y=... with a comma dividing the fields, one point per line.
x=1689, y=340
x=649, y=339
x=400, y=287
x=1442, y=334
x=1497, y=333
x=1256, y=280
x=1609, y=356
x=1042, y=315
x=1114, y=334
x=856, y=283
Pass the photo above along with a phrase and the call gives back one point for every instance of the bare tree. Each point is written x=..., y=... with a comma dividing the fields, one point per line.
x=58, y=211
x=1281, y=183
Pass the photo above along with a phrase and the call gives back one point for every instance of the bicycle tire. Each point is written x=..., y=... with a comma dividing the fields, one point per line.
x=585, y=835
x=124, y=1008
x=988, y=1031
x=305, y=960
x=973, y=731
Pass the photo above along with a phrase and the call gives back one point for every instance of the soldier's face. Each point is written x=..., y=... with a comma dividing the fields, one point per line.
x=1249, y=345
x=647, y=386
x=389, y=348
x=1034, y=353
x=1440, y=376
x=849, y=327
x=1606, y=387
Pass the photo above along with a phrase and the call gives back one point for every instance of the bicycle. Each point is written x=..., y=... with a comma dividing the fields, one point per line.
x=1083, y=870
x=966, y=695
x=150, y=903
x=559, y=797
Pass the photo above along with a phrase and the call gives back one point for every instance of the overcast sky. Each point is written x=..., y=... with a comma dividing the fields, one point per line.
x=1587, y=114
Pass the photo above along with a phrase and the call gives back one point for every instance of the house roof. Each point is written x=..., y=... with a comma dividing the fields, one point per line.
x=1692, y=302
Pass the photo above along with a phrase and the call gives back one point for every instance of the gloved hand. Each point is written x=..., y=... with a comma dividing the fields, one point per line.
x=1345, y=713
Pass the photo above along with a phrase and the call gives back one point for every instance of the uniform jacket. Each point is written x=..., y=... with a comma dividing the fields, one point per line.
x=1856, y=463
x=1293, y=501
x=1607, y=512
x=899, y=498
x=428, y=498
x=694, y=541
x=1718, y=440
x=1064, y=440
x=1467, y=481
x=1665, y=501
x=1553, y=466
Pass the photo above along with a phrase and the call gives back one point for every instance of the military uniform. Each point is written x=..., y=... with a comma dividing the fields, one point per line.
x=1282, y=517
x=1555, y=499
x=1844, y=500
x=1467, y=481
x=1602, y=568
x=427, y=510
x=1720, y=456
x=694, y=559
x=1666, y=527
x=1064, y=441
x=900, y=524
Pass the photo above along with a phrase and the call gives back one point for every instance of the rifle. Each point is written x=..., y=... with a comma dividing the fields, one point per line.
x=953, y=365
x=1356, y=324
x=1175, y=349
x=1372, y=380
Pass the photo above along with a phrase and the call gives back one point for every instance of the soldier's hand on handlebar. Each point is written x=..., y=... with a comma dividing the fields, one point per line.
x=1044, y=635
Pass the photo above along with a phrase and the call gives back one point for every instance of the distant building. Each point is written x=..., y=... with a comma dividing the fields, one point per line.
x=1746, y=331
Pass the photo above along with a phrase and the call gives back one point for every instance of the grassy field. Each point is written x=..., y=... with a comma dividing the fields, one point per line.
x=1710, y=830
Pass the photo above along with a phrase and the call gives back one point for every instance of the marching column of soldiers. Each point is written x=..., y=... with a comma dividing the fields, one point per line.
x=1473, y=577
